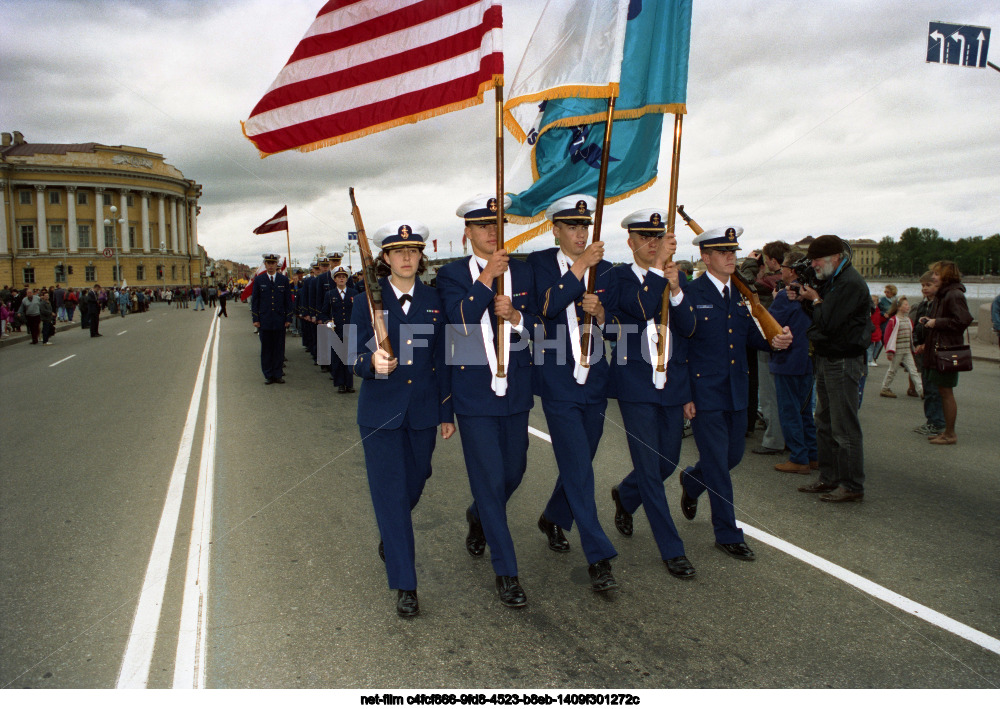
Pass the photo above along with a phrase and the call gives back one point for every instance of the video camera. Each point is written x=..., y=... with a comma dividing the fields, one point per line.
x=805, y=274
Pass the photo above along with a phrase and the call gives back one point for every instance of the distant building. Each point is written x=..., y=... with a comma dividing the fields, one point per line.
x=865, y=254
x=56, y=198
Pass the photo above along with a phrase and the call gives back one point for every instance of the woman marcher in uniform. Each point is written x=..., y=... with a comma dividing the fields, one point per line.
x=949, y=319
x=402, y=399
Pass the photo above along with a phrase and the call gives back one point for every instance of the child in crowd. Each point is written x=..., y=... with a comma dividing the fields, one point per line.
x=898, y=347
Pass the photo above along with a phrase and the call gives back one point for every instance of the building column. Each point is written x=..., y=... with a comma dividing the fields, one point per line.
x=194, y=226
x=123, y=228
x=144, y=211
x=73, y=237
x=98, y=236
x=3, y=215
x=182, y=217
x=162, y=226
x=43, y=236
x=173, y=226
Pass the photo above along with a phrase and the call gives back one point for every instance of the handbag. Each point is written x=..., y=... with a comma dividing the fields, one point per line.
x=953, y=359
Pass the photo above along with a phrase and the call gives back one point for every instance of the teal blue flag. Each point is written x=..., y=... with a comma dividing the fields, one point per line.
x=568, y=135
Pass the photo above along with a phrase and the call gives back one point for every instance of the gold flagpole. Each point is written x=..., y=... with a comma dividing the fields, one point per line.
x=675, y=166
x=501, y=345
x=598, y=218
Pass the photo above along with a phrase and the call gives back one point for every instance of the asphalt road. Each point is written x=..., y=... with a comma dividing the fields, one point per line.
x=296, y=595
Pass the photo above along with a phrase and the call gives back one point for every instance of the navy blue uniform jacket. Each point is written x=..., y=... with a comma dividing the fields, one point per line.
x=271, y=303
x=338, y=309
x=419, y=389
x=554, y=293
x=717, y=355
x=631, y=373
x=465, y=301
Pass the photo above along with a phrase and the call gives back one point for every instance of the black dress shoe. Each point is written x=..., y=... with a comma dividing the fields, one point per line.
x=680, y=567
x=689, y=505
x=350, y=390
x=557, y=540
x=407, y=605
x=623, y=520
x=341, y=389
x=324, y=368
x=511, y=593
x=268, y=381
x=279, y=380
x=475, y=540
x=738, y=551
x=381, y=550
x=601, y=578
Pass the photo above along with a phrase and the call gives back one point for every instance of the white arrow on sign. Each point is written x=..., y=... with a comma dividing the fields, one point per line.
x=979, y=44
x=940, y=40
x=958, y=37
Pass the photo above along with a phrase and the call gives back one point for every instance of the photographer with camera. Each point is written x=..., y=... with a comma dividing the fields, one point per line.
x=835, y=297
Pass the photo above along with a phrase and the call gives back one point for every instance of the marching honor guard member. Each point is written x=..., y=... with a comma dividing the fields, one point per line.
x=337, y=311
x=492, y=411
x=320, y=286
x=719, y=383
x=402, y=400
x=574, y=396
x=271, y=310
x=305, y=310
x=652, y=406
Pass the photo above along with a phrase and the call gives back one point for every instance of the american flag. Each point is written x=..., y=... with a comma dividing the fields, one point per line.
x=369, y=65
x=279, y=222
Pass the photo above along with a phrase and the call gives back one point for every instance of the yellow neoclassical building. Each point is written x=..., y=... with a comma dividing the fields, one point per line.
x=57, y=197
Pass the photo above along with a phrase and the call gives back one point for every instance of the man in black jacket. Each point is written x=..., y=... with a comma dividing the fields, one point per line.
x=94, y=309
x=840, y=334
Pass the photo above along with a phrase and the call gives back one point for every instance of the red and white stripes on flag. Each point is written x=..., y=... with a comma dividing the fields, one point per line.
x=279, y=222
x=369, y=65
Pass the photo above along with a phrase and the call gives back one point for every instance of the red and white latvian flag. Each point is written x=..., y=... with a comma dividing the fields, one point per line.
x=365, y=66
x=279, y=222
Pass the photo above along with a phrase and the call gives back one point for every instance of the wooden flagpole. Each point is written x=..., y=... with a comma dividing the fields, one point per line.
x=501, y=345
x=675, y=166
x=598, y=218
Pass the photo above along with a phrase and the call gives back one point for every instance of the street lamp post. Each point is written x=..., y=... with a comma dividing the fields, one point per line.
x=114, y=238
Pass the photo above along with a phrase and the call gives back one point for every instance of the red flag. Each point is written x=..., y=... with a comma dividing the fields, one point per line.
x=369, y=65
x=279, y=222
x=435, y=242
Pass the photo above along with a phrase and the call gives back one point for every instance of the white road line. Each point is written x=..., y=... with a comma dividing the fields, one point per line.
x=142, y=638
x=62, y=360
x=192, y=638
x=903, y=603
x=150, y=320
x=121, y=333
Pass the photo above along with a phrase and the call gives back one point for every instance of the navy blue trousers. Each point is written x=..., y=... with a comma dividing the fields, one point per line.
x=720, y=439
x=654, y=439
x=399, y=464
x=795, y=411
x=496, y=455
x=340, y=372
x=272, y=352
x=576, y=430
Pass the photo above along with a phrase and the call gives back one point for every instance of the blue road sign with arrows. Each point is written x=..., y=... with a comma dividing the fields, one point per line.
x=961, y=45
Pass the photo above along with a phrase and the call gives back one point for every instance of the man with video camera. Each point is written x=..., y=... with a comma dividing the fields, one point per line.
x=836, y=298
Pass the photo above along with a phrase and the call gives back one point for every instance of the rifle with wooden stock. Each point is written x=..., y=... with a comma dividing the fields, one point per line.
x=764, y=321
x=373, y=290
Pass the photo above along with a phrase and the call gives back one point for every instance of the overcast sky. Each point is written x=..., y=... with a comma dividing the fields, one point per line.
x=803, y=118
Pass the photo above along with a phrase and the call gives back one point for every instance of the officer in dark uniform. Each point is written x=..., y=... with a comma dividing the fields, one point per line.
x=651, y=404
x=719, y=383
x=271, y=311
x=574, y=396
x=324, y=335
x=308, y=327
x=337, y=311
x=492, y=411
x=402, y=399
x=297, y=299
x=317, y=289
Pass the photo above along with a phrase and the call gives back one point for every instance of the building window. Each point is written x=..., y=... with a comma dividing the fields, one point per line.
x=83, y=235
x=25, y=196
x=56, y=240
x=116, y=273
x=27, y=236
x=131, y=237
x=109, y=235
x=173, y=273
x=90, y=273
x=140, y=273
x=159, y=272
x=60, y=273
x=29, y=275
x=81, y=198
x=55, y=197
x=130, y=200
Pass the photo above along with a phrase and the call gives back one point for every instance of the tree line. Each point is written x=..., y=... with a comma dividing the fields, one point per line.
x=917, y=248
